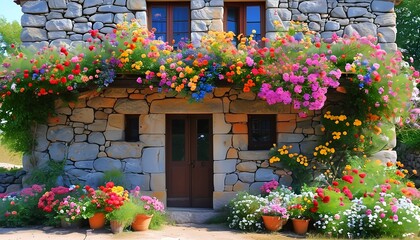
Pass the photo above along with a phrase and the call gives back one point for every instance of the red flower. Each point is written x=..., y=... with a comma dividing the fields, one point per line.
x=63, y=50
x=356, y=171
x=335, y=183
x=362, y=175
x=348, y=178
x=91, y=47
x=326, y=199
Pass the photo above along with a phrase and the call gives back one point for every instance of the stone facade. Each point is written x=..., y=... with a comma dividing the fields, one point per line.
x=58, y=22
x=11, y=182
x=89, y=135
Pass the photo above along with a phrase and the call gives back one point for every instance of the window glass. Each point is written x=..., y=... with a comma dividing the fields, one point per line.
x=253, y=21
x=159, y=18
x=131, y=128
x=178, y=140
x=261, y=132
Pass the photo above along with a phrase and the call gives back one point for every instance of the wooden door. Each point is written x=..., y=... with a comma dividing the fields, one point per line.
x=189, y=161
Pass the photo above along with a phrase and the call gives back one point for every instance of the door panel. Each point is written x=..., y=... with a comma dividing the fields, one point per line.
x=189, y=163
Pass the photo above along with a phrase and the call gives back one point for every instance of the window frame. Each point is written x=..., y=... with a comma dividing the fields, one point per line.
x=242, y=16
x=272, y=132
x=169, y=17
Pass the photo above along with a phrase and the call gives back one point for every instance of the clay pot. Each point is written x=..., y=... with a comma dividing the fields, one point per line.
x=273, y=223
x=141, y=222
x=97, y=221
x=300, y=226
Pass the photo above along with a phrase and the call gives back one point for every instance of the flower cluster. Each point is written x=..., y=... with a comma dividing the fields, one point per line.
x=70, y=208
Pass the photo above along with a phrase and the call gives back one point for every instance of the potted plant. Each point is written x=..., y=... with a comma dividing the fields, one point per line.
x=94, y=204
x=122, y=217
x=150, y=211
x=274, y=214
x=301, y=209
x=70, y=212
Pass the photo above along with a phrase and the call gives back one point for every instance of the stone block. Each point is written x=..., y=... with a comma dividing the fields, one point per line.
x=289, y=137
x=128, y=106
x=57, y=151
x=314, y=6
x=133, y=180
x=363, y=29
x=91, y=3
x=232, y=153
x=102, y=17
x=88, y=165
x=136, y=4
x=29, y=20
x=221, y=144
x=107, y=164
x=219, y=124
x=257, y=107
x=231, y=179
x=152, y=124
x=96, y=137
x=60, y=133
x=353, y=12
x=113, y=9
x=41, y=138
x=332, y=26
x=116, y=122
x=158, y=181
x=286, y=127
x=30, y=34
x=153, y=160
x=121, y=150
x=257, y=155
x=221, y=199
x=119, y=18
x=387, y=34
x=84, y=115
x=241, y=187
x=74, y=10
x=166, y=106
x=152, y=140
x=286, y=180
x=224, y=166
x=207, y=13
x=240, y=141
x=95, y=179
x=382, y=6
x=239, y=128
x=37, y=7
x=385, y=156
x=132, y=165
x=59, y=25
x=97, y=126
x=338, y=12
x=386, y=20
x=236, y=118
x=219, y=182
x=255, y=188
x=114, y=135
x=246, y=177
x=265, y=175
x=247, y=166
x=115, y=93
x=83, y=151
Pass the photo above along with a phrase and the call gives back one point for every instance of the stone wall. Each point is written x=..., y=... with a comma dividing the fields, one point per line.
x=11, y=181
x=59, y=22
x=89, y=137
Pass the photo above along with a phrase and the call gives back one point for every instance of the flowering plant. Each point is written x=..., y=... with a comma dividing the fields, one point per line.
x=245, y=212
x=70, y=208
x=275, y=208
x=376, y=200
x=20, y=208
x=302, y=205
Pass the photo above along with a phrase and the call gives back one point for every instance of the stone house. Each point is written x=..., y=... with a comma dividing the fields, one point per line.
x=187, y=154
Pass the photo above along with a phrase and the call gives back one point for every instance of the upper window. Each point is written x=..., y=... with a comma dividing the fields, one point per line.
x=261, y=131
x=244, y=18
x=132, y=128
x=171, y=21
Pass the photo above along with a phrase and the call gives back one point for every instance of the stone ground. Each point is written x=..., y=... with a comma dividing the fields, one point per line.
x=169, y=232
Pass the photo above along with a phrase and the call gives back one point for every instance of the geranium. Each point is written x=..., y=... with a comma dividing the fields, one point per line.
x=150, y=205
x=303, y=205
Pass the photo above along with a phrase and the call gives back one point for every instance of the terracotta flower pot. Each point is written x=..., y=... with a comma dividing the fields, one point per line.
x=97, y=221
x=273, y=223
x=141, y=222
x=300, y=226
x=116, y=227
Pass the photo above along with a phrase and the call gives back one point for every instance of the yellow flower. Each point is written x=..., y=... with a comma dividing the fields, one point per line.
x=357, y=122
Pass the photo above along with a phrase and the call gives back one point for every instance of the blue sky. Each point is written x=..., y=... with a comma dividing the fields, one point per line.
x=10, y=10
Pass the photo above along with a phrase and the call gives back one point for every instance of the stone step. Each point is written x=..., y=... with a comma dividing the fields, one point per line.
x=192, y=215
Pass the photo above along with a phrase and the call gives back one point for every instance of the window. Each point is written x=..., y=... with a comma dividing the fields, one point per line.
x=171, y=21
x=261, y=131
x=245, y=17
x=132, y=128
